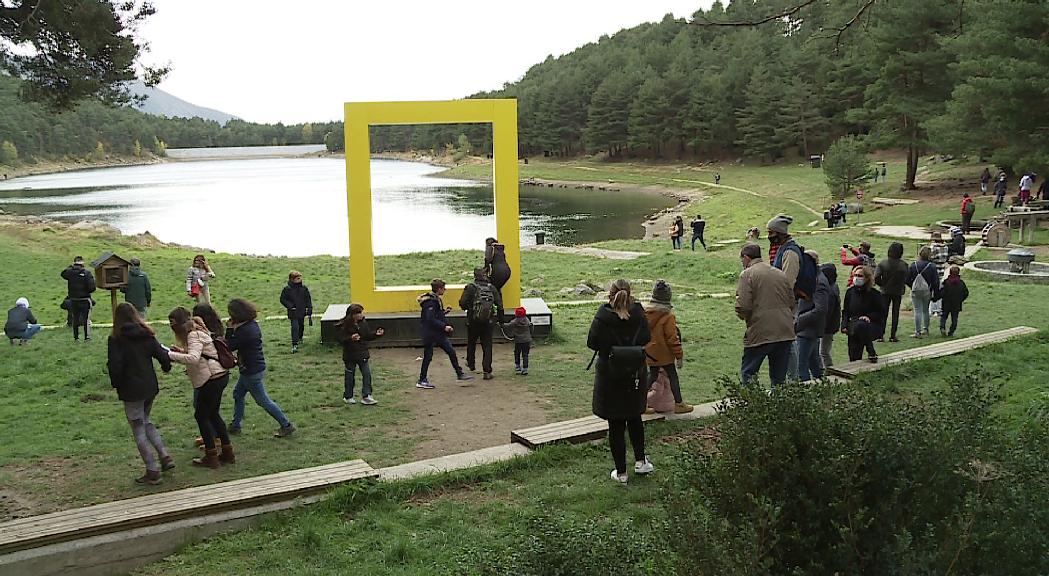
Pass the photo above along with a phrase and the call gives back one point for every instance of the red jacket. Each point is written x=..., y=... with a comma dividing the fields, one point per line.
x=965, y=204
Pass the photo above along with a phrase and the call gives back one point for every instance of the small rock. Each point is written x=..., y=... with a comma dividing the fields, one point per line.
x=538, y=281
x=534, y=293
x=584, y=290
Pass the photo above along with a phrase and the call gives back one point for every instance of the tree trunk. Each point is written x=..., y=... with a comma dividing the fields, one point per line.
x=912, y=167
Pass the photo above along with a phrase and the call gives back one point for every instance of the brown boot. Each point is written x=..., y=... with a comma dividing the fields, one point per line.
x=167, y=463
x=210, y=459
x=227, y=456
x=151, y=477
x=682, y=408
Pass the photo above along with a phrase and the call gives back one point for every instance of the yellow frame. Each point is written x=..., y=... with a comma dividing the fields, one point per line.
x=502, y=115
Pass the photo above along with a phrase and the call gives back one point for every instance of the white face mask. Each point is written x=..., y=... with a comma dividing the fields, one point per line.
x=859, y=281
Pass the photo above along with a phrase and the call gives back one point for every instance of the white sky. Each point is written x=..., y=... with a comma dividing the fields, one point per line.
x=269, y=61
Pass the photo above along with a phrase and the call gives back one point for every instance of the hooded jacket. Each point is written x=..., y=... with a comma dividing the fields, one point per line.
x=619, y=396
x=891, y=274
x=665, y=345
x=138, y=292
x=79, y=282
x=432, y=317
x=297, y=299
x=812, y=313
x=130, y=363
x=200, y=358
x=833, y=321
x=18, y=320
x=953, y=293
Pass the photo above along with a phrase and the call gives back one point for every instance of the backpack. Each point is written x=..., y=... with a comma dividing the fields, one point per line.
x=920, y=286
x=225, y=358
x=970, y=208
x=805, y=285
x=626, y=358
x=484, y=303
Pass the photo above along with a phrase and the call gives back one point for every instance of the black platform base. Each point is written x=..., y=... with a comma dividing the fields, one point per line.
x=402, y=329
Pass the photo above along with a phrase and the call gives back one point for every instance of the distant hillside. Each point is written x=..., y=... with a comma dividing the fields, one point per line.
x=160, y=103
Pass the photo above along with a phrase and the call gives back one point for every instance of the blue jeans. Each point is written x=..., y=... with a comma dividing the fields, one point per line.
x=778, y=354
x=954, y=321
x=809, y=364
x=792, y=361
x=350, y=376
x=444, y=344
x=921, y=312
x=298, y=326
x=30, y=331
x=253, y=383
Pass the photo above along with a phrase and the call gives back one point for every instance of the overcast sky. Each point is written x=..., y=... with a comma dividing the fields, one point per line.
x=268, y=61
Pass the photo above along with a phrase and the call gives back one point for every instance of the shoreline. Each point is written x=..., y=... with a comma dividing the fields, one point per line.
x=45, y=167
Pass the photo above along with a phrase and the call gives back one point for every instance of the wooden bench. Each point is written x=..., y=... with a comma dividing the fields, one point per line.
x=572, y=431
x=165, y=507
x=946, y=348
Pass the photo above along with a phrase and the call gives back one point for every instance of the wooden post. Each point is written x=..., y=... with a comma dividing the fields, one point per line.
x=113, y=303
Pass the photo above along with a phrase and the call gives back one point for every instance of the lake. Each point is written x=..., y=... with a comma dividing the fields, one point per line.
x=297, y=206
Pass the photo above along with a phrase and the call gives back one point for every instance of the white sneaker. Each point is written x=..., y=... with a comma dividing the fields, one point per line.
x=643, y=466
x=424, y=385
x=621, y=478
x=349, y=400
x=369, y=401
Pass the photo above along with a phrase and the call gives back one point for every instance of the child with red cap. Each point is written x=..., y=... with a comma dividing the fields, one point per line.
x=521, y=327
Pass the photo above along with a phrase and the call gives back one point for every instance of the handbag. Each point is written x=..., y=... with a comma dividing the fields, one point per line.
x=194, y=289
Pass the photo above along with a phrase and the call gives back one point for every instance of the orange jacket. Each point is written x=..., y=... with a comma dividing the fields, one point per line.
x=665, y=345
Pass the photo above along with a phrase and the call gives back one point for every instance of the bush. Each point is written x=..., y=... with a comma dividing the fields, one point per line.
x=826, y=479
x=8, y=152
x=845, y=165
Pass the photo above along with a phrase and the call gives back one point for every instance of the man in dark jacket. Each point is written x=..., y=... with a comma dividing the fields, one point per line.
x=296, y=298
x=830, y=272
x=435, y=332
x=138, y=291
x=699, y=225
x=891, y=277
x=809, y=323
x=21, y=325
x=79, y=285
x=484, y=307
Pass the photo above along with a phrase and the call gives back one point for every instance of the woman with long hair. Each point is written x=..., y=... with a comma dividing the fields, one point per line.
x=132, y=348
x=863, y=315
x=244, y=336
x=197, y=280
x=211, y=319
x=196, y=350
x=617, y=336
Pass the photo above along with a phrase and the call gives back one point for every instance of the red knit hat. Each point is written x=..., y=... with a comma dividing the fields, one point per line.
x=520, y=312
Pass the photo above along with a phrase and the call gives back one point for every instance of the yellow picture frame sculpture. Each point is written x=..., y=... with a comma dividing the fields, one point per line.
x=502, y=115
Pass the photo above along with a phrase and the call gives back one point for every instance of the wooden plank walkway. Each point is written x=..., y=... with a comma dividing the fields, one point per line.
x=947, y=348
x=165, y=507
x=573, y=431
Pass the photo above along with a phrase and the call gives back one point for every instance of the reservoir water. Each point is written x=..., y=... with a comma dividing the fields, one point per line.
x=297, y=206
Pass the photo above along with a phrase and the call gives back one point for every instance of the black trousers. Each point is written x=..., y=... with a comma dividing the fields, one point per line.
x=894, y=305
x=617, y=441
x=861, y=336
x=208, y=403
x=81, y=310
x=479, y=331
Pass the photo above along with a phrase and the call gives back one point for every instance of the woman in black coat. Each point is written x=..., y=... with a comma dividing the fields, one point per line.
x=863, y=315
x=132, y=348
x=495, y=264
x=620, y=388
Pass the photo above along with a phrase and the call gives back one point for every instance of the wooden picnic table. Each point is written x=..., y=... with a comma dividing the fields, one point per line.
x=1025, y=218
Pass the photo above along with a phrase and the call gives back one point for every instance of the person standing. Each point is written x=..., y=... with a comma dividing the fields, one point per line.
x=699, y=225
x=765, y=301
x=435, y=332
x=861, y=256
x=679, y=240
x=295, y=297
x=1043, y=189
x=809, y=324
x=196, y=349
x=496, y=268
x=785, y=254
x=138, y=292
x=717, y=178
x=663, y=351
x=620, y=391
x=1000, y=187
x=891, y=276
x=985, y=179
x=924, y=282
x=521, y=327
x=830, y=272
x=132, y=348
x=244, y=336
x=967, y=210
x=1025, y=188
x=354, y=335
x=21, y=325
x=953, y=293
x=197, y=280
x=863, y=315
x=484, y=308
x=80, y=283
x=843, y=210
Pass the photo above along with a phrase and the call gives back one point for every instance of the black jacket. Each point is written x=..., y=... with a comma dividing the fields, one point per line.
x=466, y=302
x=355, y=351
x=617, y=396
x=432, y=317
x=957, y=246
x=891, y=276
x=864, y=302
x=698, y=226
x=953, y=294
x=812, y=312
x=18, y=319
x=246, y=341
x=296, y=298
x=130, y=363
x=833, y=322
x=80, y=283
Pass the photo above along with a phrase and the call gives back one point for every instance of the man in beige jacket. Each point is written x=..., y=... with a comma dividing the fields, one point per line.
x=765, y=301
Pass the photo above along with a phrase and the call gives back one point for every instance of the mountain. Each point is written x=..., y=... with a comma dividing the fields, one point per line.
x=160, y=103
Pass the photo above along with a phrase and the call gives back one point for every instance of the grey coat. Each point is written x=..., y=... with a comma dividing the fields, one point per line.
x=811, y=318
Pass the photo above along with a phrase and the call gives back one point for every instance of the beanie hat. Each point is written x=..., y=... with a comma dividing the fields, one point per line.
x=23, y=302
x=520, y=312
x=661, y=293
x=779, y=223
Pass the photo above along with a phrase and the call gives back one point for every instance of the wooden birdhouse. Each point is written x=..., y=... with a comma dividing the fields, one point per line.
x=111, y=271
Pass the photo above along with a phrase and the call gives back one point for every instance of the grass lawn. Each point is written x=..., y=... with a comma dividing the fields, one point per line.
x=67, y=442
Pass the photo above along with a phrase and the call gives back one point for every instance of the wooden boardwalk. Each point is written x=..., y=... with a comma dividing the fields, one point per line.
x=166, y=507
x=940, y=349
x=573, y=431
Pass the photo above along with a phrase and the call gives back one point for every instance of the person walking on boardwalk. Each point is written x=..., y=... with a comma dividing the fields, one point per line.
x=663, y=351
x=196, y=350
x=863, y=315
x=197, y=278
x=138, y=290
x=833, y=322
x=618, y=334
x=80, y=283
x=21, y=325
x=699, y=225
x=435, y=332
x=484, y=308
x=244, y=336
x=891, y=276
x=953, y=293
x=295, y=297
x=354, y=333
x=924, y=281
x=765, y=301
x=495, y=265
x=132, y=348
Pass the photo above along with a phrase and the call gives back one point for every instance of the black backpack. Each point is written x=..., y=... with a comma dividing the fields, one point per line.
x=626, y=358
x=484, y=307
